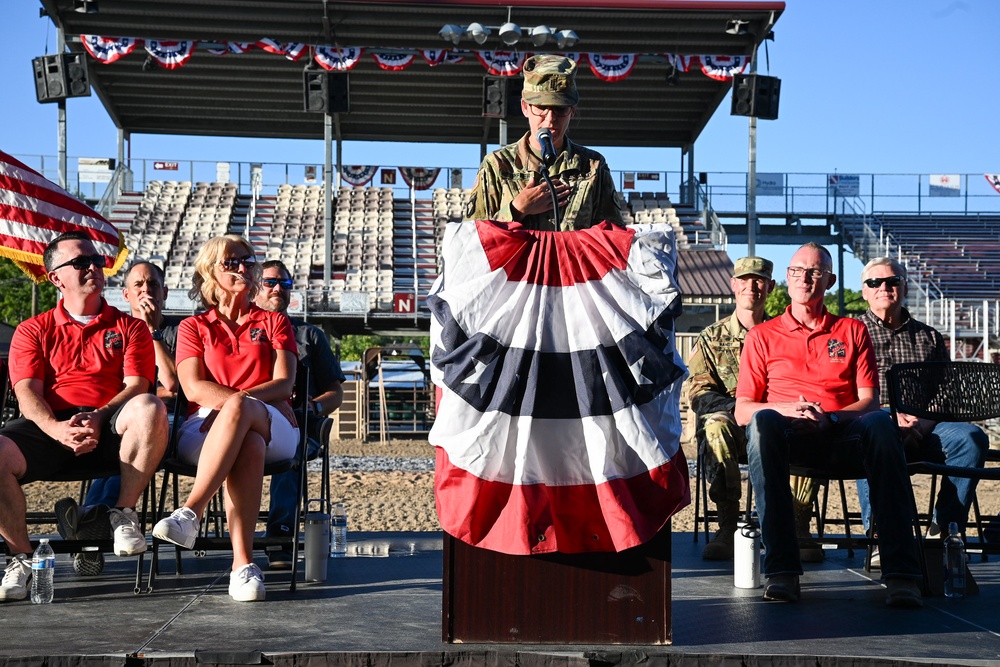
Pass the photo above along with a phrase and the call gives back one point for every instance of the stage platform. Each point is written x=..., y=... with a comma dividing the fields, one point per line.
x=382, y=606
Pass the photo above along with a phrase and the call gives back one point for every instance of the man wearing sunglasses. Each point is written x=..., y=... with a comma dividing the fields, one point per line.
x=81, y=373
x=509, y=186
x=808, y=394
x=326, y=393
x=898, y=338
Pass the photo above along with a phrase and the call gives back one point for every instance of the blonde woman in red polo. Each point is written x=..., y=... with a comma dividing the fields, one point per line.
x=236, y=365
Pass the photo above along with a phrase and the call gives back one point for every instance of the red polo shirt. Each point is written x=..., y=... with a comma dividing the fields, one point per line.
x=242, y=359
x=81, y=365
x=783, y=360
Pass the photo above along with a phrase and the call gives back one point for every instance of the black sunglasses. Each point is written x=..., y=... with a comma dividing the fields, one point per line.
x=84, y=262
x=233, y=263
x=891, y=281
x=271, y=283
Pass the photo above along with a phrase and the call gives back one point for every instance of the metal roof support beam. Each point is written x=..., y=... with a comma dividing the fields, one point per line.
x=328, y=203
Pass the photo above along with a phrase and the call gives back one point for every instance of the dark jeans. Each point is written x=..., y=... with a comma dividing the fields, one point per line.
x=285, y=491
x=869, y=447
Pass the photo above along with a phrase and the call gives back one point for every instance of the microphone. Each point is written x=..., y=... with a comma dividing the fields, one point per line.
x=544, y=139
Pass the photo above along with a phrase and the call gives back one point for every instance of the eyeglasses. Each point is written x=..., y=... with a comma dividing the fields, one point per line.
x=283, y=283
x=84, y=262
x=799, y=271
x=891, y=281
x=233, y=263
x=558, y=112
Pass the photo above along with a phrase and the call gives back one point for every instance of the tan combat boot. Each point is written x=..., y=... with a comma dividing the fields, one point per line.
x=809, y=550
x=721, y=545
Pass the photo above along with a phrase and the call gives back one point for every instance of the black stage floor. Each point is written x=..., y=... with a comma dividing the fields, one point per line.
x=382, y=605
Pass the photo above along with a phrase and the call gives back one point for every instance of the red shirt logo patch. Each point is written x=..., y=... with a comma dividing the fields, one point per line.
x=258, y=335
x=836, y=349
x=113, y=340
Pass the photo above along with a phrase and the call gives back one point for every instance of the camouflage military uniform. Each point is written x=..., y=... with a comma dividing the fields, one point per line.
x=714, y=368
x=505, y=172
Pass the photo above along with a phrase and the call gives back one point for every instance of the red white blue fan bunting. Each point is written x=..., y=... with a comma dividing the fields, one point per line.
x=612, y=67
x=502, y=63
x=358, y=175
x=232, y=47
x=108, y=49
x=994, y=180
x=393, y=62
x=453, y=57
x=434, y=56
x=681, y=63
x=271, y=46
x=336, y=58
x=170, y=54
x=419, y=178
x=722, y=68
x=295, y=50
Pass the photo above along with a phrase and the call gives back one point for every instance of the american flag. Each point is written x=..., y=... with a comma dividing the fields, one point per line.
x=558, y=426
x=33, y=211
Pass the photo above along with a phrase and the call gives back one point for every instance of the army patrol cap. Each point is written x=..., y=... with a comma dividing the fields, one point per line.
x=550, y=81
x=753, y=266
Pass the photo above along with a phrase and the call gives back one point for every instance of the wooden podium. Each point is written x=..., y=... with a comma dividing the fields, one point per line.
x=596, y=598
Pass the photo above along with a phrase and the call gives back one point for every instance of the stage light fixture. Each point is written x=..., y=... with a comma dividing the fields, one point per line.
x=510, y=33
x=566, y=39
x=540, y=34
x=672, y=74
x=451, y=33
x=737, y=27
x=478, y=32
x=85, y=6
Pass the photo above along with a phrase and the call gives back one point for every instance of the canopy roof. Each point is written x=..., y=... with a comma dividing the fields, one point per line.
x=260, y=94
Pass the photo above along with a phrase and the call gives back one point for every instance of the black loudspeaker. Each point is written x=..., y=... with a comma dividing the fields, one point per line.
x=756, y=95
x=326, y=92
x=60, y=76
x=495, y=96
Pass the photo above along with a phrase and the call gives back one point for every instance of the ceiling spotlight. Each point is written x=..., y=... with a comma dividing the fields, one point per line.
x=85, y=6
x=737, y=27
x=510, y=33
x=451, y=33
x=478, y=32
x=149, y=65
x=672, y=74
x=566, y=39
x=540, y=34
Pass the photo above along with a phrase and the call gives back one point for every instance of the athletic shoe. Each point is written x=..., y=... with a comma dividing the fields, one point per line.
x=279, y=558
x=16, y=578
x=247, y=584
x=129, y=538
x=67, y=518
x=88, y=563
x=181, y=528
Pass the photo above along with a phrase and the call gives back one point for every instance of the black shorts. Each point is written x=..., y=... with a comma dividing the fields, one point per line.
x=47, y=458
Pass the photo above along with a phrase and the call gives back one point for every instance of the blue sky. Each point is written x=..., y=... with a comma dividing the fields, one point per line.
x=867, y=87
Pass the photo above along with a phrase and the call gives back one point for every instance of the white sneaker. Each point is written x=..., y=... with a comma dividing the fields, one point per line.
x=16, y=578
x=181, y=528
x=247, y=584
x=129, y=538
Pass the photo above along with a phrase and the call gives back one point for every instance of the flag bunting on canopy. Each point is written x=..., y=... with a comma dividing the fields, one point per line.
x=34, y=210
x=608, y=67
x=558, y=426
x=358, y=175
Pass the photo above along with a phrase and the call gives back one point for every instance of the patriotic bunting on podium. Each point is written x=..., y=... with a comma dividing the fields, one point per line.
x=558, y=427
x=33, y=211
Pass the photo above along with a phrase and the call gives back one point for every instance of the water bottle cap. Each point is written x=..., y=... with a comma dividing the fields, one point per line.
x=43, y=540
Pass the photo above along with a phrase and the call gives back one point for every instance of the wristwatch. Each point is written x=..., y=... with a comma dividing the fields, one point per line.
x=834, y=419
x=157, y=334
x=317, y=408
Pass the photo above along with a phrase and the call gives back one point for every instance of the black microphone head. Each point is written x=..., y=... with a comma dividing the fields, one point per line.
x=543, y=134
x=544, y=139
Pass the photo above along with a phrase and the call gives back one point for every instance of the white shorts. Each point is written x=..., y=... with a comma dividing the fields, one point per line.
x=284, y=437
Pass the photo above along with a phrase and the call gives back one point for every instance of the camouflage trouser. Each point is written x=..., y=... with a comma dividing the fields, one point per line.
x=725, y=445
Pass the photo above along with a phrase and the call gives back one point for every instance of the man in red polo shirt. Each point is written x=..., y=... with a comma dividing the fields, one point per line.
x=81, y=373
x=808, y=393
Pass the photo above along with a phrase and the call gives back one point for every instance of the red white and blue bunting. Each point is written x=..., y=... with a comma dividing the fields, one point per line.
x=612, y=67
x=607, y=67
x=502, y=63
x=419, y=178
x=358, y=175
x=994, y=180
x=170, y=54
x=336, y=58
x=722, y=68
x=108, y=49
x=393, y=62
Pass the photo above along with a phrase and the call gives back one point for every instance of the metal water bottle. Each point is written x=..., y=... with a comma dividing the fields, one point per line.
x=746, y=554
x=954, y=563
x=317, y=540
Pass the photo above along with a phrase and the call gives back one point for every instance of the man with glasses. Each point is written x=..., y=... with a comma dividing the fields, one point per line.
x=509, y=186
x=326, y=393
x=808, y=393
x=81, y=373
x=898, y=338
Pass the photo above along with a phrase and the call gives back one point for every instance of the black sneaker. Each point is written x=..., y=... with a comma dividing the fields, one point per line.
x=279, y=558
x=93, y=525
x=88, y=563
x=67, y=518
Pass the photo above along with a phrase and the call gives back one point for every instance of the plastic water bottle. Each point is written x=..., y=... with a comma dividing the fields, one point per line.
x=43, y=569
x=954, y=563
x=338, y=533
x=746, y=554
